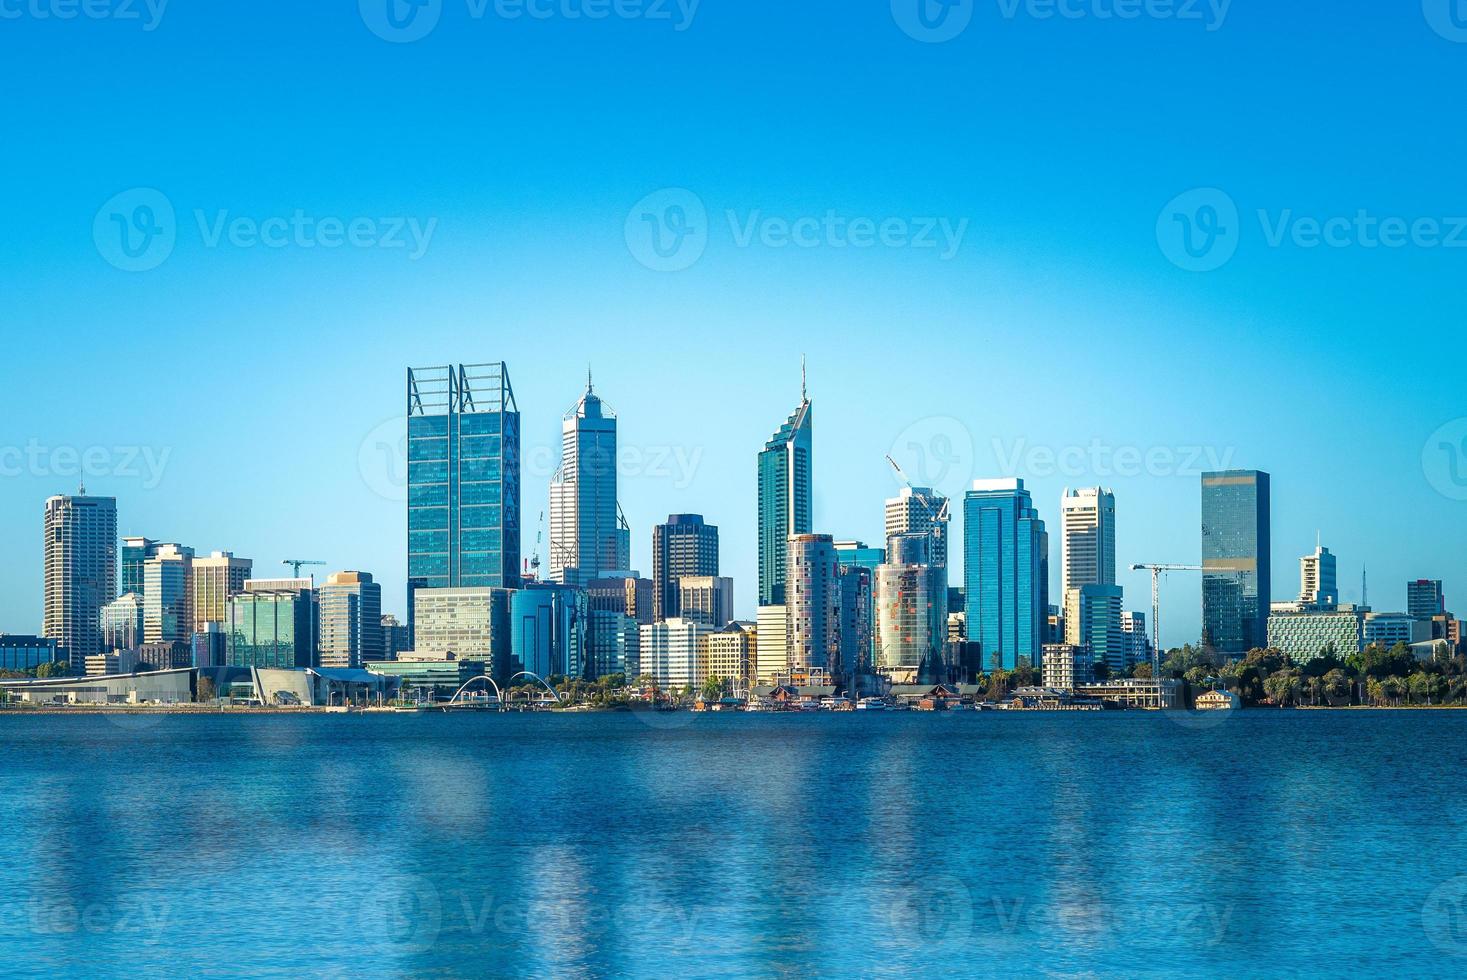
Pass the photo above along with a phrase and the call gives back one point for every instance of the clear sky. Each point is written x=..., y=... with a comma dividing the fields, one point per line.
x=1068, y=337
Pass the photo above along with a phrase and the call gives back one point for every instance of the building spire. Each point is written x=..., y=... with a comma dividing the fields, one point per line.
x=590, y=388
x=804, y=388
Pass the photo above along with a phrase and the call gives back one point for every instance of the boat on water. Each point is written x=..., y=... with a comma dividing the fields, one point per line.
x=871, y=704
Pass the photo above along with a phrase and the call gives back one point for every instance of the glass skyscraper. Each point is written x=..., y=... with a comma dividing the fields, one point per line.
x=586, y=536
x=1236, y=557
x=463, y=479
x=1005, y=573
x=784, y=498
x=684, y=546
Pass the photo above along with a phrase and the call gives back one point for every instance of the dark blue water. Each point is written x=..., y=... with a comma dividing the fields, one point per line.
x=1126, y=844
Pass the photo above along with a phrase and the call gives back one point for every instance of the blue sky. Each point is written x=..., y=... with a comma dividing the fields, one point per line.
x=1068, y=321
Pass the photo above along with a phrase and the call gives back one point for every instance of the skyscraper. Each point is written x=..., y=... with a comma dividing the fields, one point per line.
x=463, y=479
x=920, y=510
x=1236, y=556
x=1100, y=627
x=911, y=609
x=784, y=498
x=81, y=571
x=1318, y=584
x=168, y=595
x=271, y=629
x=812, y=597
x=1424, y=598
x=216, y=578
x=351, y=620
x=1087, y=548
x=683, y=546
x=1005, y=573
x=586, y=535
x=133, y=553
x=706, y=599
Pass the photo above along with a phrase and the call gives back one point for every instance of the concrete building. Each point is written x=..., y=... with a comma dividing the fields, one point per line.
x=1306, y=632
x=812, y=593
x=1129, y=692
x=216, y=579
x=1005, y=572
x=80, y=571
x=1385, y=629
x=351, y=620
x=706, y=599
x=587, y=538
x=465, y=624
x=920, y=510
x=1087, y=547
x=728, y=654
x=683, y=546
x=1067, y=666
x=628, y=594
x=670, y=653
x=1425, y=599
x=771, y=649
x=1318, y=580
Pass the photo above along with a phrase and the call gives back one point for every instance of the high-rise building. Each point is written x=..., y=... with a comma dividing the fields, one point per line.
x=351, y=620
x=587, y=539
x=1005, y=573
x=131, y=556
x=669, y=653
x=728, y=653
x=1067, y=666
x=548, y=626
x=706, y=599
x=785, y=475
x=122, y=623
x=630, y=595
x=395, y=638
x=465, y=624
x=303, y=587
x=857, y=621
x=216, y=578
x=81, y=572
x=1133, y=625
x=1236, y=557
x=771, y=644
x=1424, y=598
x=271, y=629
x=614, y=644
x=1318, y=584
x=911, y=610
x=681, y=547
x=920, y=510
x=463, y=479
x=860, y=555
x=1087, y=547
x=168, y=595
x=1100, y=627
x=812, y=598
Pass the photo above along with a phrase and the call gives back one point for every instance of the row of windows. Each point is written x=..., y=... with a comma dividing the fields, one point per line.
x=470, y=495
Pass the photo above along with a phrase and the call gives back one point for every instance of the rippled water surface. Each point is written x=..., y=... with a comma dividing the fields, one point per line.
x=1122, y=844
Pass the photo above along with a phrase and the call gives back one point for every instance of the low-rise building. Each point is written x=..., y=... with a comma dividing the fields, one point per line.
x=1306, y=632
x=1218, y=701
x=1130, y=692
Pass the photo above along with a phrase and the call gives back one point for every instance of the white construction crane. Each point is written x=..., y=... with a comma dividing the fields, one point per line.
x=937, y=513
x=1156, y=572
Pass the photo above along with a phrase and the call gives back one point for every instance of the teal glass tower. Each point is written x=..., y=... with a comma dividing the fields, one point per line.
x=784, y=498
x=463, y=479
x=1236, y=557
x=1005, y=573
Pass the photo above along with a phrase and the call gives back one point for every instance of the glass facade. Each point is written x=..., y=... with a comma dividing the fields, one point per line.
x=1005, y=573
x=271, y=629
x=548, y=626
x=22, y=653
x=682, y=547
x=784, y=499
x=463, y=479
x=586, y=538
x=1236, y=559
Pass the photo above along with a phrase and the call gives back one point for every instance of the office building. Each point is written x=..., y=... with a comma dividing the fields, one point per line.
x=728, y=654
x=1067, y=666
x=1005, y=573
x=19, y=654
x=771, y=644
x=857, y=621
x=812, y=602
x=587, y=538
x=1236, y=557
x=1099, y=621
x=857, y=554
x=1087, y=547
x=785, y=475
x=463, y=480
x=467, y=624
x=131, y=556
x=684, y=546
x=216, y=578
x=707, y=600
x=395, y=638
x=80, y=572
x=920, y=510
x=1424, y=599
x=271, y=629
x=670, y=653
x=630, y=595
x=1305, y=632
x=351, y=620
x=911, y=610
x=122, y=623
x=168, y=595
x=614, y=644
x=1318, y=582
x=1387, y=629
x=548, y=624
x=211, y=646
x=1138, y=641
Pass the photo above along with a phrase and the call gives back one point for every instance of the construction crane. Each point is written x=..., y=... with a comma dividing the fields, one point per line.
x=1156, y=573
x=937, y=513
x=532, y=566
x=296, y=564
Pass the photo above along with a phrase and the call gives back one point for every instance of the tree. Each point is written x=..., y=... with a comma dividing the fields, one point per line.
x=1141, y=671
x=1282, y=687
x=712, y=689
x=206, y=690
